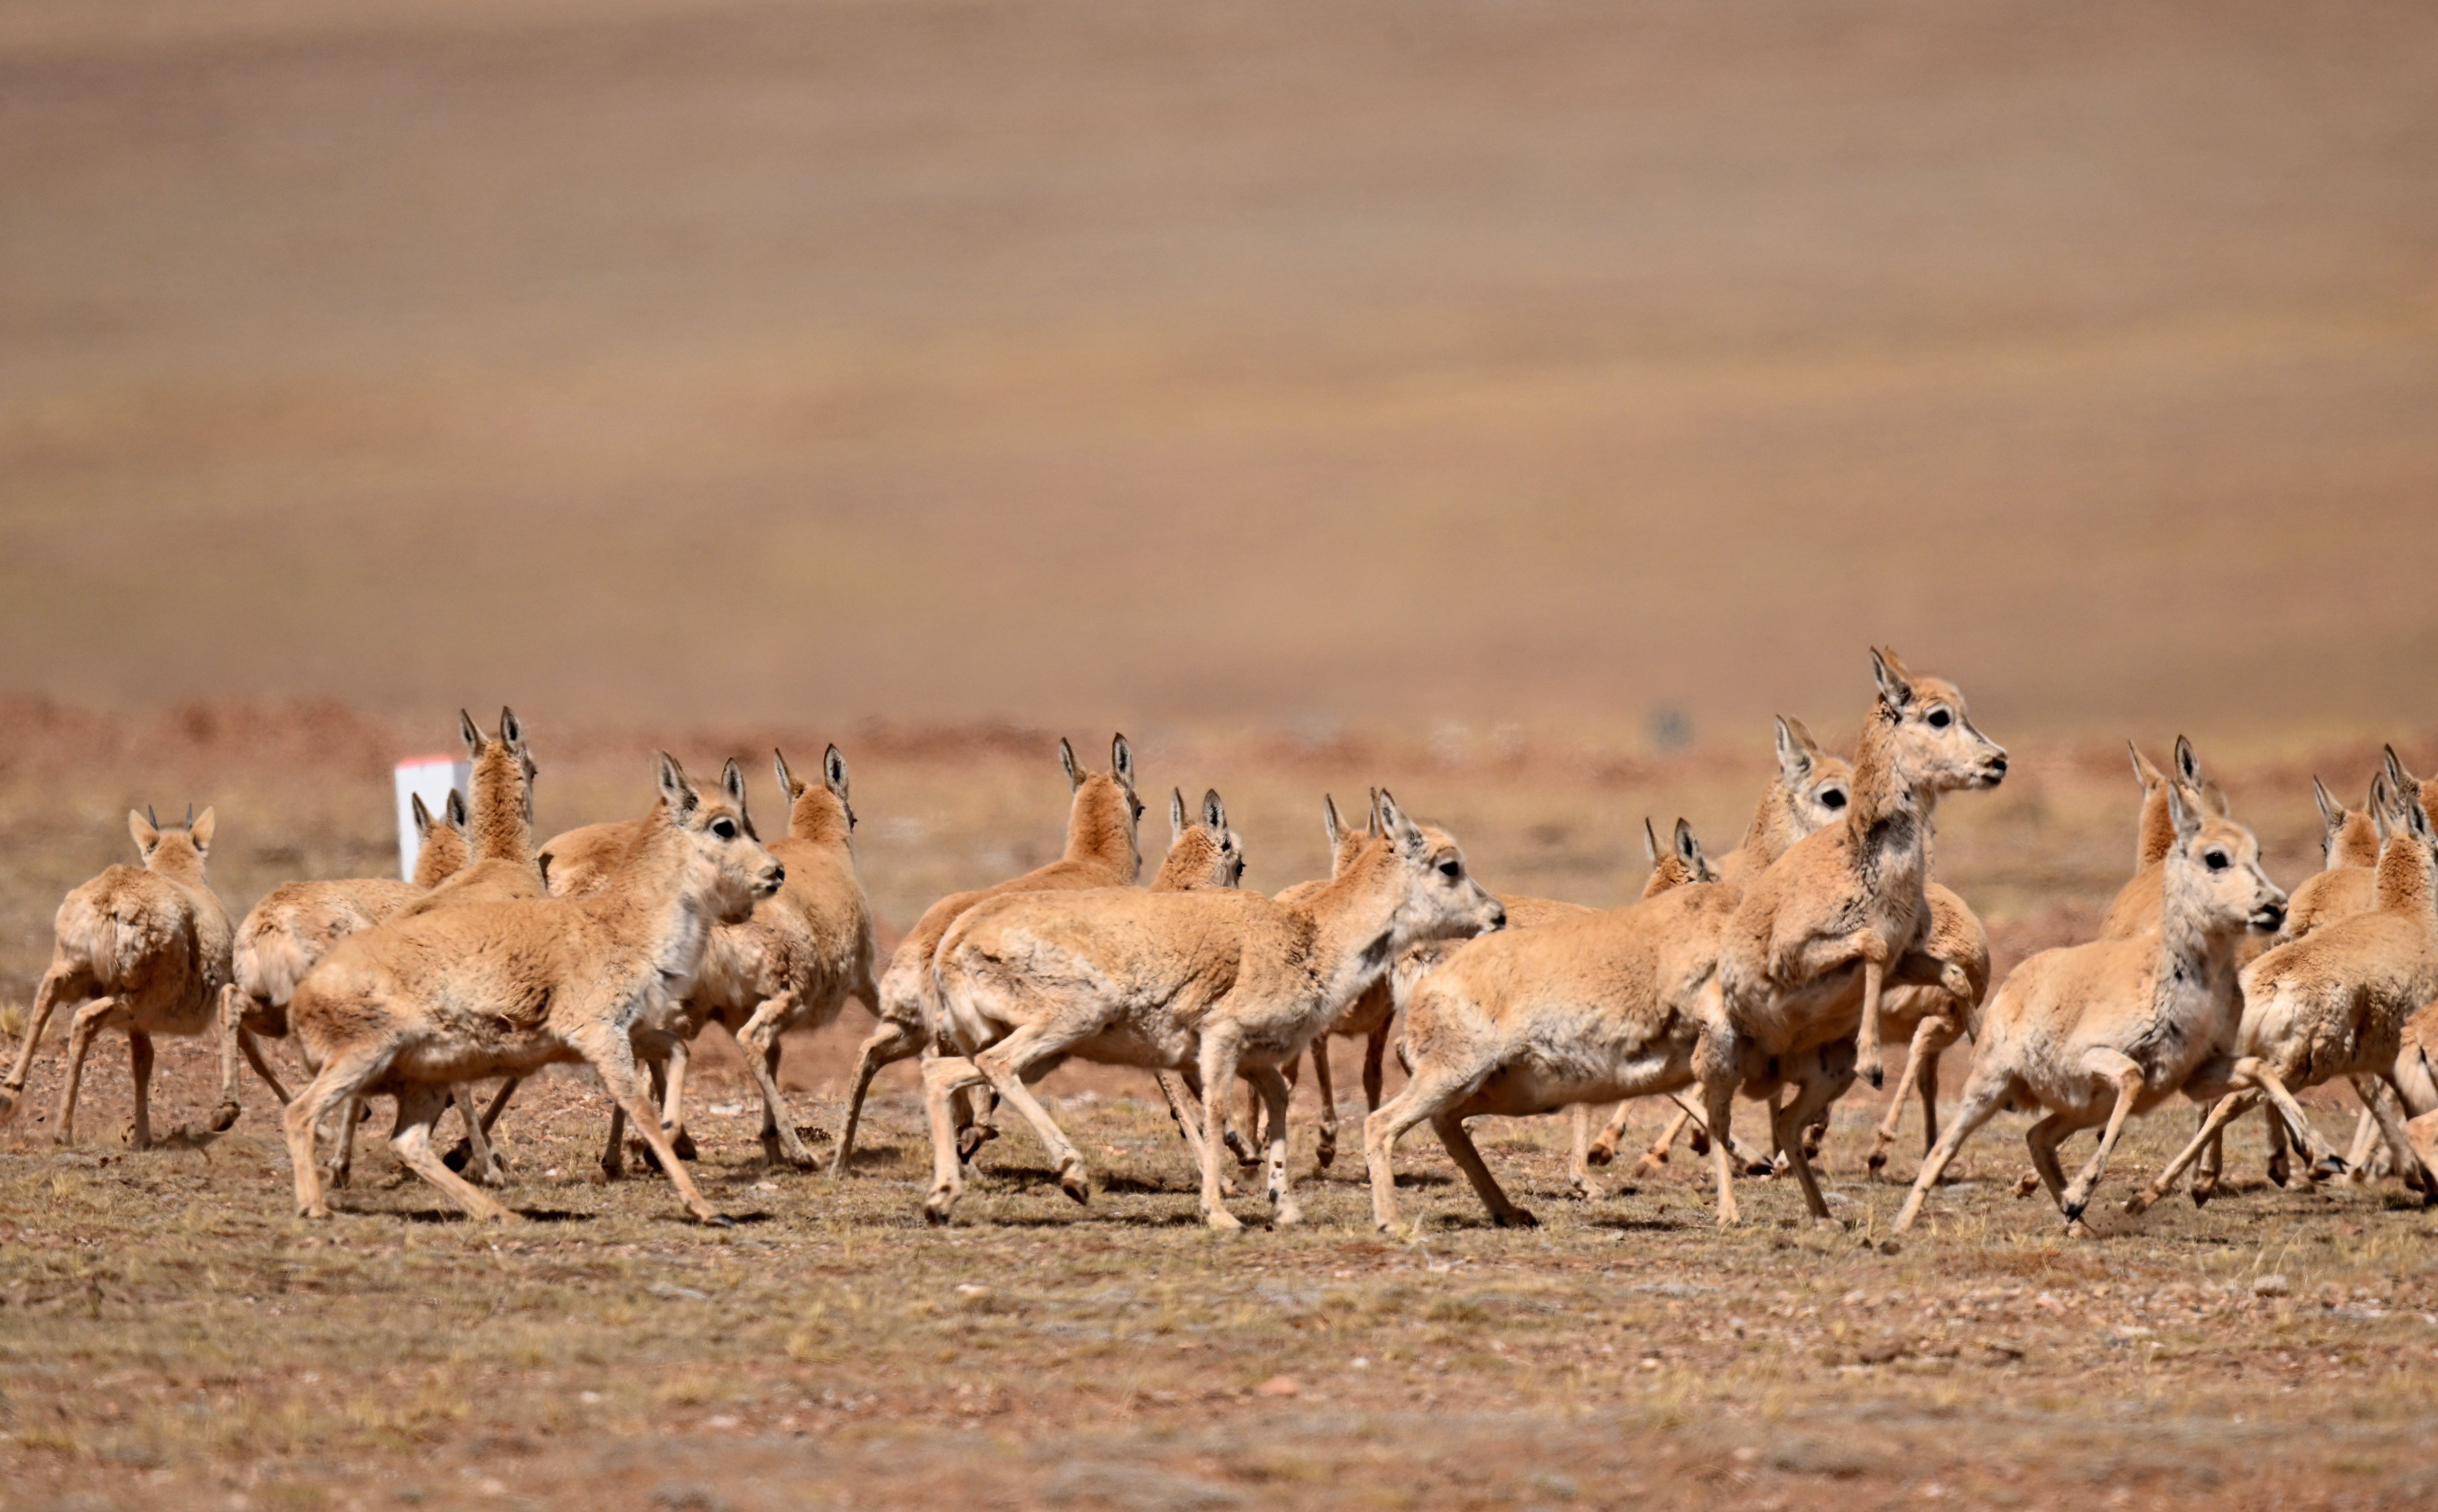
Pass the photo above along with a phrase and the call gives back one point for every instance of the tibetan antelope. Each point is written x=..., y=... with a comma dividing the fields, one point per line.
x=1818, y=934
x=2350, y=842
x=1102, y=852
x=792, y=965
x=507, y=986
x=2336, y=1004
x=1227, y=982
x=1811, y=790
x=1603, y=1005
x=287, y=934
x=2096, y=1032
x=500, y=865
x=499, y=835
x=2349, y=846
x=145, y=949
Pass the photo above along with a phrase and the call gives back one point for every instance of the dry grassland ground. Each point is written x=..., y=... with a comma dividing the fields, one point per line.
x=169, y=1337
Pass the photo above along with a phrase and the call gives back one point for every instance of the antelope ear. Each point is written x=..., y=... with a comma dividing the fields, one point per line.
x=833, y=772
x=1372, y=824
x=2186, y=814
x=2147, y=774
x=2413, y=815
x=422, y=816
x=470, y=732
x=2332, y=813
x=456, y=810
x=788, y=788
x=1215, y=813
x=512, y=734
x=200, y=832
x=1403, y=831
x=1121, y=761
x=1688, y=845
x=1794, y=752
x=1176, y=815
x=1650, y=841
x=731, y=777
x=675, y=791
x=1896, y=684
x=2378, y=805
x=143, y=831
x=2397, y=777
x=2188, y=766
x=1329, y=822
x=1067, y=764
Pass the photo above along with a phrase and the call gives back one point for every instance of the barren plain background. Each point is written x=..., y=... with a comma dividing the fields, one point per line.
x=1515, y=402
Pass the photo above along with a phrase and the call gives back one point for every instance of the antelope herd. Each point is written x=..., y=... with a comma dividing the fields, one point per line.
x=1776, y=974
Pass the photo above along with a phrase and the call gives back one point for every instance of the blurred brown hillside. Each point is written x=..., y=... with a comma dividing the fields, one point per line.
x=1548, y=361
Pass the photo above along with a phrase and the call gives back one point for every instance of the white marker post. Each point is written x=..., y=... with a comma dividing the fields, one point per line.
x=429, y=778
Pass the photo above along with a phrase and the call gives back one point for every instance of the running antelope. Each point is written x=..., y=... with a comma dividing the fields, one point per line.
x=287, y=933
x=1844, y=903
x=507, y=986
x=2350, y=843
x=1811, y=790
x=1227, y=982
x=1204, y=853
x=2096, y=1032
x=1102, y=852
x=500, y=865
x=1600, y=1006
x=793, y=965
x=2336, y=1004
x=145, y=949
x=500, y=832
x=2349, y=847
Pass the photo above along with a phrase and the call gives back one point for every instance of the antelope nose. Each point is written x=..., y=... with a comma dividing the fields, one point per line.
x=1498, y=916
x=776, y=877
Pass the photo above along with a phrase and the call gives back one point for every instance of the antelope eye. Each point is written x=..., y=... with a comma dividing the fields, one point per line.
x=1832, y=800
x=1451, y=869
x=2217, y=860
x=1941, y=719
x=724, y=828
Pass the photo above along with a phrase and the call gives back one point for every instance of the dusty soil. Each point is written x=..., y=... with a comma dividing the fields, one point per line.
x=168, y=1335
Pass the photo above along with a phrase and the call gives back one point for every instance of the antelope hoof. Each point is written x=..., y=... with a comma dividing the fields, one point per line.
x=2328, y=1167
x=319, y=1212
x=457, y=1155
x=1286, y=1217
x=1701, y=1145
x=937, y=1207
x=1648, y=1167
x=2280, y=1169
x=2078, y=1229
x=2073, y=1206
x=711, y=1218
x=2140, y=1202
x=225, y=1117
x=1877, y=1076
x=1830, y=1223
x=1760, y=1167
x=970, y=1142
x=1600, y=1155
x=1076, y=1182
x=2028, y=1184
x=1515, y=1218
x=1222, y=1221
x=682, y=1143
